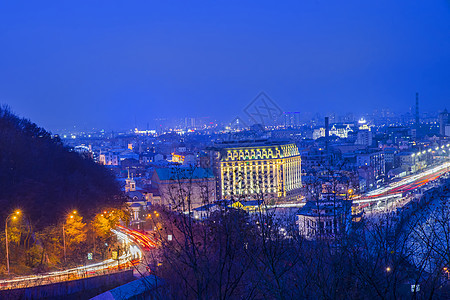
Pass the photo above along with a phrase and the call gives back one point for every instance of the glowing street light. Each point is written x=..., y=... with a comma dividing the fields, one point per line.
x=71, y=216
x=14, y=217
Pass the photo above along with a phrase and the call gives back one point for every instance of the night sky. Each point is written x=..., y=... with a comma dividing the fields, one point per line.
x=113, y=63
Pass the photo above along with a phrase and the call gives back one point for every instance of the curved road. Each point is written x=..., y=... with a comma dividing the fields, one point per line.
x=136, y=241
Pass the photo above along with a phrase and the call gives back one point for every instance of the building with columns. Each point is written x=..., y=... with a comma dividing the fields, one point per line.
x=258, y=169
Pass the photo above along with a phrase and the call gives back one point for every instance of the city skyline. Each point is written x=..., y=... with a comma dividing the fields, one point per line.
x=284, y=118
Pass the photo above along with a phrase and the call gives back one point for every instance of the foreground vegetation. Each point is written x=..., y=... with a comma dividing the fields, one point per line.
x=61, y=196
x=234, y=254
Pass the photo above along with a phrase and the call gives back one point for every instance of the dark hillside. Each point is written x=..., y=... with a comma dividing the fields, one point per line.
x=43, y=178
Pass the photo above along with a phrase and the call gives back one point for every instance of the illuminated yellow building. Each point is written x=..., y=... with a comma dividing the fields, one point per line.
x=253, y=170
x=177, y=158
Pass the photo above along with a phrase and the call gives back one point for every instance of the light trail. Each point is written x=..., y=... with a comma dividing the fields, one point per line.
x=138, y=237
x=129, y=259
x=410, y=182
x=435, y=171
x=397, y=189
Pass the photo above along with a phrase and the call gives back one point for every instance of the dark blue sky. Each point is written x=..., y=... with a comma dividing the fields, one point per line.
x=107, y=63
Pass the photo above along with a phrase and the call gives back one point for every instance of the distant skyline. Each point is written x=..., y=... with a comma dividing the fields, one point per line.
x=110, y=64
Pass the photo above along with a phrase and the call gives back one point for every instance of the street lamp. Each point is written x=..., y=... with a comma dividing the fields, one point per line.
x=11, y=216
x=350, y=194
x=64, y=235
x=447, y=272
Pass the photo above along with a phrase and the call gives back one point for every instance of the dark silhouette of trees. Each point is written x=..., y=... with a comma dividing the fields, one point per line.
x=43, y=178
x=236, y=254
x=46, y=180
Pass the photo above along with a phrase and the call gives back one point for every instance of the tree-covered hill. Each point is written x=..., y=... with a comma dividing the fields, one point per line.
x=46, y=180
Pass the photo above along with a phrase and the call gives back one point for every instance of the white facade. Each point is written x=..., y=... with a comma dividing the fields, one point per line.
x=109, y=159
x=337, y=130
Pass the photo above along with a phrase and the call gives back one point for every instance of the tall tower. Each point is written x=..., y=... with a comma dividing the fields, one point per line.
x=443, y=121
x=417, y=110
x=327, y=133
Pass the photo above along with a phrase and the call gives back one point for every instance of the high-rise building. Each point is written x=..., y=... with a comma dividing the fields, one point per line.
x=364, y=137
x=374, y=160
x=255, y=169
x=291, y=119
x=443, y=121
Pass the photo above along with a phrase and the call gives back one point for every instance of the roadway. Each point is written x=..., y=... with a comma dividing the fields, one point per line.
x=135, y=240
x=410, y=182
x=399, y=188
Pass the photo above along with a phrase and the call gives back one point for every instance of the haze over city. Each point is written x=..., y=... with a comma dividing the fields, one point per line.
x=115, y=65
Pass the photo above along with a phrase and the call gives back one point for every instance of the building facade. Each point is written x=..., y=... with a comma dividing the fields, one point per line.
x=373, y=159
x=328, y=217
x=340, y=130
x=251, y=170
x=444, y=121
x=364, y=137
x=184, y=188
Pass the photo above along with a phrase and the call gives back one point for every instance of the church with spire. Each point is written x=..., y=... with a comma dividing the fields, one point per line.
x=130, y=184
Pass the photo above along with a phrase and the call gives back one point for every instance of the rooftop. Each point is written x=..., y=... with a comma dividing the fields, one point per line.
x=249, y=143
x=175, y=173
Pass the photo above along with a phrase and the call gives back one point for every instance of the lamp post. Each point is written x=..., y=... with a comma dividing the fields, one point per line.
x=64, y=235
x=64, y=243
x=349, y=194
x=13, y=216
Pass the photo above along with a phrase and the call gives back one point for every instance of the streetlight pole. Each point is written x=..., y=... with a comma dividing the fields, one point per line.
x=64, y=242
x=7, y=251
x=64, y=234
x=6, y=236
